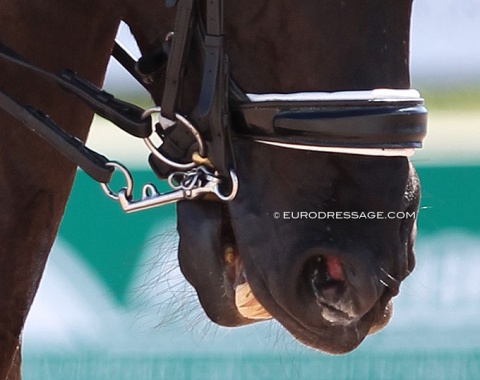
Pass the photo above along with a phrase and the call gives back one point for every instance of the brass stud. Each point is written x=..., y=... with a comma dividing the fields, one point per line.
x=199, y=160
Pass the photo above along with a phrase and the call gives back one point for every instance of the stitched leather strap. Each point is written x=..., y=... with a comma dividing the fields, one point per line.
x=177, y=58
x=125, y=115
x=212, y=112
x=92, y=163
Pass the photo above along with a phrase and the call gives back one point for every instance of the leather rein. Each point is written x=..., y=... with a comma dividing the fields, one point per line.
x=196, y=155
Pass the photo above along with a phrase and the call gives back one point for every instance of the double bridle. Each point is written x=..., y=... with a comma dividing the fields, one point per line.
x=196, y=155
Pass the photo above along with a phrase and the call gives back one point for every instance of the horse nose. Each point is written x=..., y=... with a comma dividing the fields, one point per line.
x=340, y=289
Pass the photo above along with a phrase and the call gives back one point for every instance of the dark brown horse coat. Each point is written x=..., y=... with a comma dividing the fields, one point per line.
x=275, y=46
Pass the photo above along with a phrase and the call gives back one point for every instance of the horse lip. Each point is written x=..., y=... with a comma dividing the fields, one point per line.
x=335, y=315
x=245, y=301
x=248, y=305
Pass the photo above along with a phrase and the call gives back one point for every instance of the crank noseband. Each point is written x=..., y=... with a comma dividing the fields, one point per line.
x=381, y=122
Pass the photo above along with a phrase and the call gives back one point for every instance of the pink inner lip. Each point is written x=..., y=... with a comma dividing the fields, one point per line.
x=334, y=268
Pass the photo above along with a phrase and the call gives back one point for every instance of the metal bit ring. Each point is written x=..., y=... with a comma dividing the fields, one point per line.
x=128, y=190
x=187, y=124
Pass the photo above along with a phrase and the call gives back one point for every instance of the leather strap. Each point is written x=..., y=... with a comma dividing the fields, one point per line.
x=129, y=63
x=177, y=58
x=381, y=124
x=125, y=115
x=212, y=113
x=214, y=24
x=92, y=163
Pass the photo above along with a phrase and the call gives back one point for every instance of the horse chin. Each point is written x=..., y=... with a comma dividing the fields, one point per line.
x=382, y=319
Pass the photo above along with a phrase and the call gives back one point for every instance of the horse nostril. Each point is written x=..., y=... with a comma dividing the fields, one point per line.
x=326, y=279
x=337, y=287
x=324, y=271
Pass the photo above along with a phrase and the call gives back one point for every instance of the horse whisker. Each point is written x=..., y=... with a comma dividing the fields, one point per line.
x=390, y=276
x=384, y=283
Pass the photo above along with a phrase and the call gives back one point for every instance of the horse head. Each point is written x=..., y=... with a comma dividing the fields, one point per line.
x=299, y=243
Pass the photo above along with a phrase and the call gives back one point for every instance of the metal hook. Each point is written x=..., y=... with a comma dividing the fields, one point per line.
x=186, y=185
x=233, y=193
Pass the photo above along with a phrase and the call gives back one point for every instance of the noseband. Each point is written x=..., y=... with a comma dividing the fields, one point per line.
x=381, y=122
x=196, y=154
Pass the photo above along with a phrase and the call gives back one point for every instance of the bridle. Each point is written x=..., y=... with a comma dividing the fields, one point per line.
x=196, y=155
